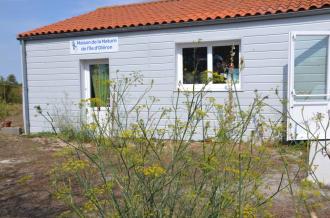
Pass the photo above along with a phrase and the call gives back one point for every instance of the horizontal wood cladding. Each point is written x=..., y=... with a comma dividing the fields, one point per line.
x=54, y=74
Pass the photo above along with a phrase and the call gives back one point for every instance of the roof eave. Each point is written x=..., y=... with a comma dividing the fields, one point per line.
x=180, y=25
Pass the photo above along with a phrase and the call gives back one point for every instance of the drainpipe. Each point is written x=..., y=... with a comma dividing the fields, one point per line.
x=26, y=114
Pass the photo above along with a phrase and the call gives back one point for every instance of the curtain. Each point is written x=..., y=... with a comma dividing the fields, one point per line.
x=99, y=84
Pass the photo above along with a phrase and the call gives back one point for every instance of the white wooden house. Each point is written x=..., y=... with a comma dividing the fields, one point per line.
x=284, y=44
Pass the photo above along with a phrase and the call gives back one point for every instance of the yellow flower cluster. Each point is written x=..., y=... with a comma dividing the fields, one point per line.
x=65, y=152
x=249, y=211
x=97, y=102
x=91, y=126
x=63, y=192
x=73, y=166
x=231, y=170
x=126, y=134
x=89, y=207
x=200, y=113
x=154, y=171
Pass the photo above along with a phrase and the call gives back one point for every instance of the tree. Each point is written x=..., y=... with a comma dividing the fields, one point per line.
x=10, y=89
x=11, y=79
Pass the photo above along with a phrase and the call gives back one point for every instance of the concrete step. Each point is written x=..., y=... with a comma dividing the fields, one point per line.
x=11, y=130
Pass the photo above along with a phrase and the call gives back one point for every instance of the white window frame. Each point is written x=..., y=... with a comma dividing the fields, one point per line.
x=291, y=68
x=209, y=45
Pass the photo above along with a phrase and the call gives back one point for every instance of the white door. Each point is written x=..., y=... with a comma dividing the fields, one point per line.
x=308, y=86
x=97, y=91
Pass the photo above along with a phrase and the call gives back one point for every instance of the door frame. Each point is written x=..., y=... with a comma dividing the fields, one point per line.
x=86, y=85
x=291, y=71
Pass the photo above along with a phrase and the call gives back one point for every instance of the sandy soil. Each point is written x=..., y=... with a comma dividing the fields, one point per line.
x=24, y=183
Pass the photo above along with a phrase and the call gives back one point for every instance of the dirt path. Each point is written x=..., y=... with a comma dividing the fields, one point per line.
x=24, y=184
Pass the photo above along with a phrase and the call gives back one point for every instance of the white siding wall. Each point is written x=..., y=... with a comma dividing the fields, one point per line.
x=53, y=72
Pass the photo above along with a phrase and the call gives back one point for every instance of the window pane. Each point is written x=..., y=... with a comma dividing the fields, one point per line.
x=310, y=67
x=99, y=84
x=222, y=61
x=194, y=65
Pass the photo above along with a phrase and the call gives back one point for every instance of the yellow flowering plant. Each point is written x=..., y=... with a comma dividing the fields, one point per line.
x=137, y=165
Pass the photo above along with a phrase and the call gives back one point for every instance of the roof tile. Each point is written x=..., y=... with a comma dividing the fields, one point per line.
x=172, y=11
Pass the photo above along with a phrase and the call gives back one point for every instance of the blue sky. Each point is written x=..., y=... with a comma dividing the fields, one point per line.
x=21, y=15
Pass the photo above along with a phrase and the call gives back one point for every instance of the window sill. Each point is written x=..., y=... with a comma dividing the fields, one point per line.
x=207, y=88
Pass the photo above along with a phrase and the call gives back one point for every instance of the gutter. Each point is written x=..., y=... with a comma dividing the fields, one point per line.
x=26, y=113
x=182, y=24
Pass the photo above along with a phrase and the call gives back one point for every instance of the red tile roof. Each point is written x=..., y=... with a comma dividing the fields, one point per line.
x=173, y=11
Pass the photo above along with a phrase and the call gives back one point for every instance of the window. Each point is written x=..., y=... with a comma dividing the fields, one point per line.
x=214, y=64
x=221, y=63
x=194, y=65
x=310, y=67
x=97, y=83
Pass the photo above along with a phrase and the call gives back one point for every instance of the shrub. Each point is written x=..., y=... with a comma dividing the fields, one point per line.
x=4, y=111
x=142, y=169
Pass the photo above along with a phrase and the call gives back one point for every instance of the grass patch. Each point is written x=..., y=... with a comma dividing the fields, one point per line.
x=7, y=109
